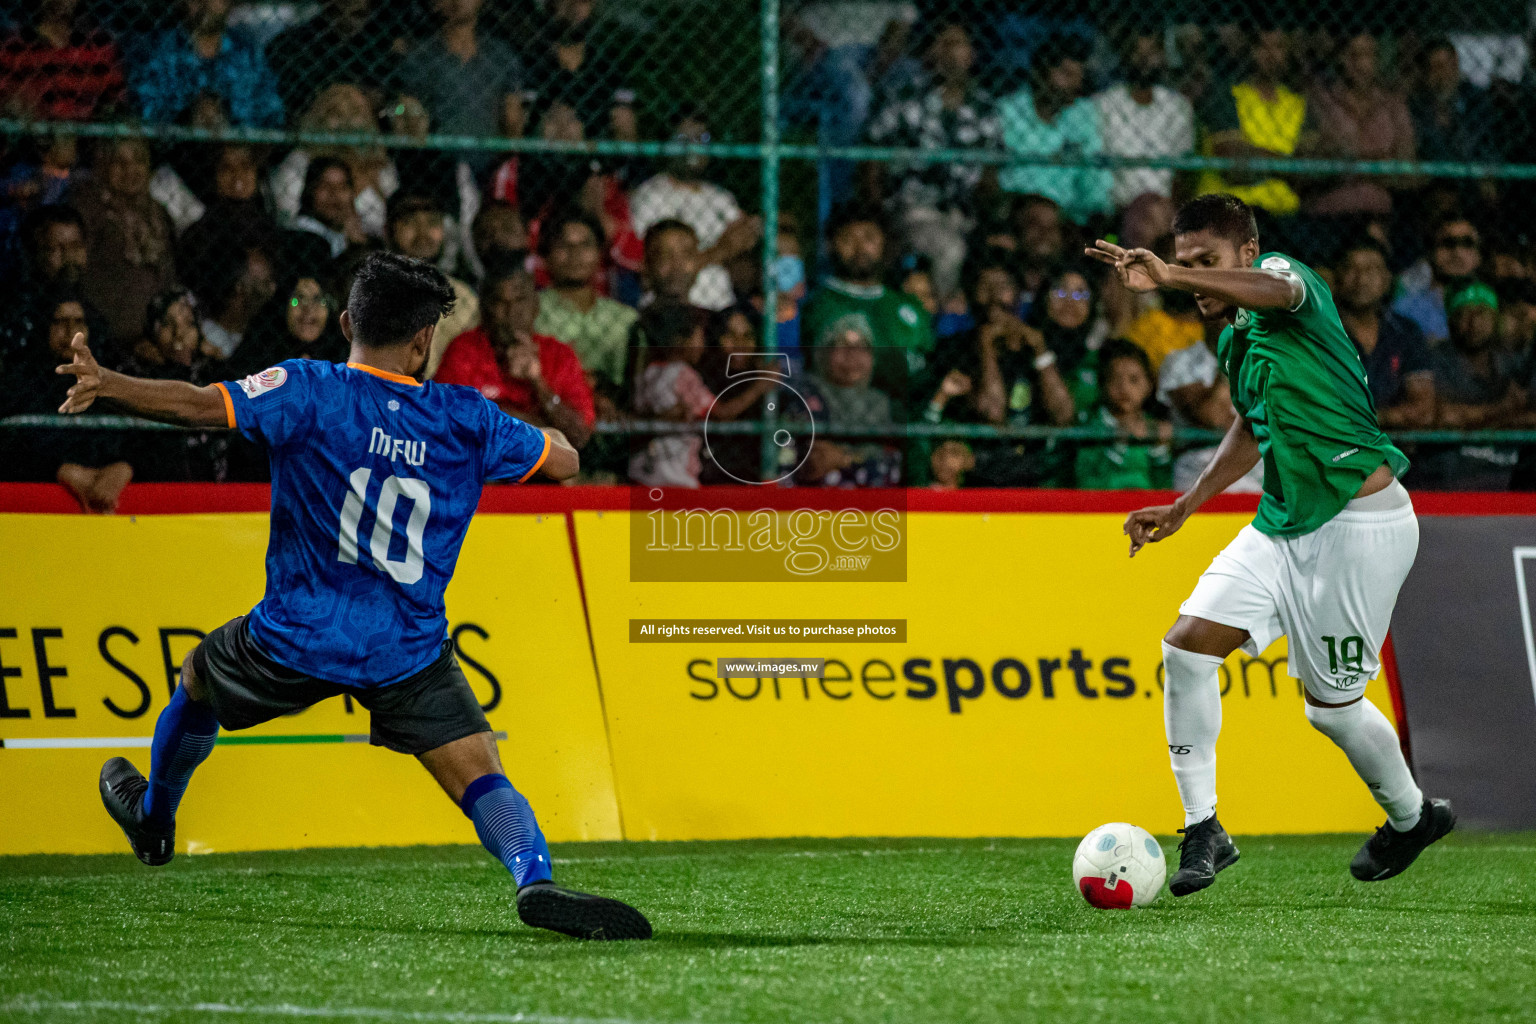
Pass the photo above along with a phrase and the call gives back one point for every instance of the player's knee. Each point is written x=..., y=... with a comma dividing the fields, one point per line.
x=190, y=681
x=1201, y=636
x=1333, y=721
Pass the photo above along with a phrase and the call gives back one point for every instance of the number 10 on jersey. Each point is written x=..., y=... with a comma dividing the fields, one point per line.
x=408, y=570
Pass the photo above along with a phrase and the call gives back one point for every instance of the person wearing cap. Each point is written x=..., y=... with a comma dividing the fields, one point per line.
x=416, y=226
x=840, y=395
x=1477, y=386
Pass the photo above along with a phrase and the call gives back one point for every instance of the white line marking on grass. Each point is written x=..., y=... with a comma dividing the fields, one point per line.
x=304, y=1012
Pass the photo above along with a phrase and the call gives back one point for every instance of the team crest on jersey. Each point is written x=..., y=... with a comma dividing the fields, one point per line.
x=266, y=380
x=908, y=315
x=1243, y=318
x=1276, y=263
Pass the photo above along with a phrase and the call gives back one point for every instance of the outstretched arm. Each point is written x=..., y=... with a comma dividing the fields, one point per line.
x=1249, y=287
x=1237, y=454
x=169, y=401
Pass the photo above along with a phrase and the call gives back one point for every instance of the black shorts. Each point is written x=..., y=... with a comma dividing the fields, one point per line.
x=420, y=713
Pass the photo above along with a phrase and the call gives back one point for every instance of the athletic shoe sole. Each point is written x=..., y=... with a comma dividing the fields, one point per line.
x=580, y=915
x=1196, y=884
x=1442, y=829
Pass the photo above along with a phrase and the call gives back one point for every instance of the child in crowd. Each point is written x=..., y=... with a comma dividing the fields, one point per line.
x=950, y=462
x=1139, y=458
x=669, y=388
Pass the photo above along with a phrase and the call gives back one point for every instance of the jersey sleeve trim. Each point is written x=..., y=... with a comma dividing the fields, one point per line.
x=229, y=405
x=1301, y=286
x=542, y=456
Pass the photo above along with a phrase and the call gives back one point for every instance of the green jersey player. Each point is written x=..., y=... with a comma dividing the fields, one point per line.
x=1324, y=558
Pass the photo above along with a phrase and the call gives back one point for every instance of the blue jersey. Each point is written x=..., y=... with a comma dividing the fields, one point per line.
x=374, y=480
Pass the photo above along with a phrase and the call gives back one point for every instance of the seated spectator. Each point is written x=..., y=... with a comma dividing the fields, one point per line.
x=128, y=236
x=1140, y=458
x=53, y=248
x=231, y=204
x=417, y=229
x=731, y=344
x=1478, y=386
x=498, y=234
x=230, y=291
x=947, y=467
x=902, y=334
x=299, y=322
x=1517, y=316
x=1143, y=117
x=87, y=462
x=669, y=387
x=570, y=309
x=1037, y=223
x=576, y=72
x=358, y=39
x=916, y=279
x=203, y=55
x=670, y=270
x=188, y=160
x=340, y=108
x=41, y=174
x=1073, y=333
x=1392, y=348
x=1359, y=119
x=1050, y=117
x=1455, y=254
x=531, y=376
x=58, y=67
x=1191, y=384
x=936, y=204
x=840, y=393
x=681, y=192
x=1259, y=117
x=173, y=348
x=470, y=83
x=328, y=206
x=1452, y=118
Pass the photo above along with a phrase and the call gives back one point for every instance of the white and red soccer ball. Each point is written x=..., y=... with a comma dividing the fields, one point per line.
x=1119, y=866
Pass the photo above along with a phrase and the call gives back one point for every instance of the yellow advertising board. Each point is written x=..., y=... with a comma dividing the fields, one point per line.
x=96, y=614
x=1024, y=699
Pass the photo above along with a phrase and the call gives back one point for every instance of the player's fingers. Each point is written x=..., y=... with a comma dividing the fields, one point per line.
x=74, y=369
x=78, y=346
x=1100, y=255
x=1109, y=247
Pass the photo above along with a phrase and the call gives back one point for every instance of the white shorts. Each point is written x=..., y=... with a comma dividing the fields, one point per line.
x=1330, y=591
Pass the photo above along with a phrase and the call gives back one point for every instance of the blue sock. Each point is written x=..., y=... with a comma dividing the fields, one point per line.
x=504, y=822
x=184, y=737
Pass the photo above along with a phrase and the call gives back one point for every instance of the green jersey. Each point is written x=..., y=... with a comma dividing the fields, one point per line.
x=1298, y=381
x=903, y=334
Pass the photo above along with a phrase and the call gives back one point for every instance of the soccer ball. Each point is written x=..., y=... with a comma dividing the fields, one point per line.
x=1118, y=866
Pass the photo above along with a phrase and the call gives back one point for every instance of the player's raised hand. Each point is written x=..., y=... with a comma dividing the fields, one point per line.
x=1140, y=270
x=87, y=374
x=1150, y=525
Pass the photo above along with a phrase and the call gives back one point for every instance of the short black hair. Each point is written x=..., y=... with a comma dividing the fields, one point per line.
x=503, y=267
x=1221, y=213
x=556, y=225
x=408, y=201
x=42, y=217
x=662, y=227
x=395, y=296
x=848, y=214
x=990, y=257
x=669, y=324
x=1360, y=243
x=1122, y=348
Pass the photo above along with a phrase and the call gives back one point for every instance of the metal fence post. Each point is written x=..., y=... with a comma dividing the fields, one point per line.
x=770, y=170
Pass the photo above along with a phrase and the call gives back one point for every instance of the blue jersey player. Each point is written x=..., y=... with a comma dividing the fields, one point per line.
x=375, y=476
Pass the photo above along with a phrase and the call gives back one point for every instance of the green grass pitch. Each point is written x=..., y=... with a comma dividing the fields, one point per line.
x=930, y=930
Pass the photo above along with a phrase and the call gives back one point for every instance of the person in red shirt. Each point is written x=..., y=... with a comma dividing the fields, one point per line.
x=531, y=376
x=58, y=68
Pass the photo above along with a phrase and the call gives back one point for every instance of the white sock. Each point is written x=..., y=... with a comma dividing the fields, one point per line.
x=1192, y=719
x=1365, y=735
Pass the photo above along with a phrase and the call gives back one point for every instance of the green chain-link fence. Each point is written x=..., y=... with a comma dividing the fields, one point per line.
x=250, y=152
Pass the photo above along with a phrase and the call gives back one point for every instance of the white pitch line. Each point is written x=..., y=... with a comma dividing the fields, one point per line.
x=66, y=742
x=302, y=1012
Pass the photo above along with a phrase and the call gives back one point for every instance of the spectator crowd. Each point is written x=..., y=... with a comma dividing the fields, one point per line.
x=943, y=292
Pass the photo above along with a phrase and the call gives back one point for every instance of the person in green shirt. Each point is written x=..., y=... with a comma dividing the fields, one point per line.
x=1139, y=459
x=1322, y=562
x=903, y=335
